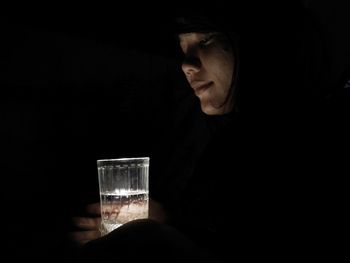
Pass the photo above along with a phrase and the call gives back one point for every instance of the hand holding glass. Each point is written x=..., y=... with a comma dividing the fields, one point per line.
x=124, y=191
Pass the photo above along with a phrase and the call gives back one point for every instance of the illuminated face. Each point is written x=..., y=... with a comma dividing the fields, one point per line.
x=209, y=67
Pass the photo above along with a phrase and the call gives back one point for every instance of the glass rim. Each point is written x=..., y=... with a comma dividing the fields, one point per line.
x=144, y=160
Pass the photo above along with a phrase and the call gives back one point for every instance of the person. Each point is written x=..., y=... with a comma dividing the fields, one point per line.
x=228, y=187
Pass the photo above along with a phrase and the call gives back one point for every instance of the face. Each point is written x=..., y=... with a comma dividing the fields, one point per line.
x=209, y=67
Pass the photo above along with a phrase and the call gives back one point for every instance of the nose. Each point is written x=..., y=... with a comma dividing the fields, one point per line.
x=191, y=65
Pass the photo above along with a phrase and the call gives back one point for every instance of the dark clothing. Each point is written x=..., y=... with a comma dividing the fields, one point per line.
x=144, y=241
x=262, y=188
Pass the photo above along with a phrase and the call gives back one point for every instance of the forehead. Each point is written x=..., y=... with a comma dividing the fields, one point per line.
x=191, y=39
x=187, y=37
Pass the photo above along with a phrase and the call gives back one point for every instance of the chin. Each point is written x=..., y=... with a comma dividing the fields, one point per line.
x=212, y=111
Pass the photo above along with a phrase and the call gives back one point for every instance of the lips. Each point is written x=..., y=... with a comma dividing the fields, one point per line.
x=200, y=87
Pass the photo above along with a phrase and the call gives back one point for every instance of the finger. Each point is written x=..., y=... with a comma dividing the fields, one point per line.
x=88, y=223
x=82, y=237
x=156, y=211
x=94, y=209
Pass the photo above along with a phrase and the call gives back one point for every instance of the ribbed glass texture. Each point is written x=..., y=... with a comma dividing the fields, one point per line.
x=124, y=191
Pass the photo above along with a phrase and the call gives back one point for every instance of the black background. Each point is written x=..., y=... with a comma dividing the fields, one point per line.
x=75, y=87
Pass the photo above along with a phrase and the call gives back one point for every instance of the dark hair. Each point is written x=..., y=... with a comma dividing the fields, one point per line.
x=186, y=24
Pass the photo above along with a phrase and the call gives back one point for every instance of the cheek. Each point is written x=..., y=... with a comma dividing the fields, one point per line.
x=226, y=73
x=222, y=66
x=224, y=78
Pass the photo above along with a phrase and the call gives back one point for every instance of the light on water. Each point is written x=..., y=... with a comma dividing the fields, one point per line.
x=122, y=206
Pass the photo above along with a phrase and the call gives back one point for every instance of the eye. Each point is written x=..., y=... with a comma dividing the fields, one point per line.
x=206, y=40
